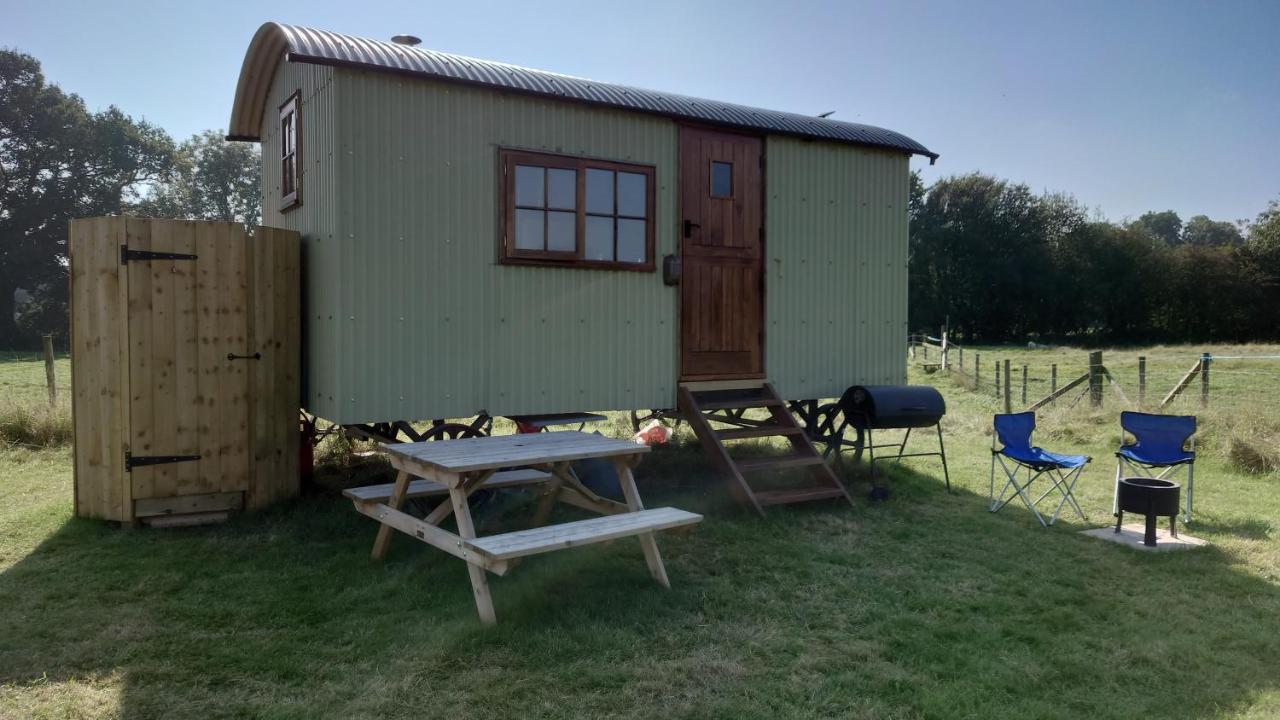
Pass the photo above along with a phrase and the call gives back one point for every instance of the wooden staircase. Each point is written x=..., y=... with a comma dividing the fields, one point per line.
x=726, y=401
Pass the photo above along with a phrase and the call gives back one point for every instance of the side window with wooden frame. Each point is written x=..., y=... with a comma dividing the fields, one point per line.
x=576, y=212
x=290, y=159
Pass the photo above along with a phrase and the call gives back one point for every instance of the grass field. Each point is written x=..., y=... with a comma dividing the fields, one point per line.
x=924, y=606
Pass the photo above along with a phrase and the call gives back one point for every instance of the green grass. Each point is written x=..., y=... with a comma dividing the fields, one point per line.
x=924, y=606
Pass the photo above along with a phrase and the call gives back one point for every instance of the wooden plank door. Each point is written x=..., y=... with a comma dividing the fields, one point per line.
x=722, y=288
x=187, y=397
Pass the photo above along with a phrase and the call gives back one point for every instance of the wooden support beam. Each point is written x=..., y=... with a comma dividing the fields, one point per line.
x=1095, y=378
x=1142, y=381
x=1058, y=393
x=1181, y=385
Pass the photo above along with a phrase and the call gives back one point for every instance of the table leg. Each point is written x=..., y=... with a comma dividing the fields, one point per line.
x=550, y=495
x=467, y=530
x=647, y=541
x=384, y=531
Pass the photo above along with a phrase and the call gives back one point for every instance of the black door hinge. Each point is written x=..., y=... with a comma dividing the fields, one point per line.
x=126, y=255
x=132, y=461
x=255, y=356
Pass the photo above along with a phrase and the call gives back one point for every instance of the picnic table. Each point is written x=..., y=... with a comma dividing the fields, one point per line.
x=458, y=468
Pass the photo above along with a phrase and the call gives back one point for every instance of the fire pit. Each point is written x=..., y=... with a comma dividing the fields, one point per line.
x=1153, y=498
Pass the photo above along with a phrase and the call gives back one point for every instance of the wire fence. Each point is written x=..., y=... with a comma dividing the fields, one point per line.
x=1162, y=381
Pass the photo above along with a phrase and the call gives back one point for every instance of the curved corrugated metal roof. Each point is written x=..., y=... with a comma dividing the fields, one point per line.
x=274, y=40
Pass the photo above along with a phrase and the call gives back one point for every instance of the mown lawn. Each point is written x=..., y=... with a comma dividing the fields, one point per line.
x=924, y=606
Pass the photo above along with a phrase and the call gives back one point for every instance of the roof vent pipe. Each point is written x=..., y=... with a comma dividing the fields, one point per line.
x=409, y=40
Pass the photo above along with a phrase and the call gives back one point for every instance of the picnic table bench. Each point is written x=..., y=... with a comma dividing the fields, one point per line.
x=458, y=468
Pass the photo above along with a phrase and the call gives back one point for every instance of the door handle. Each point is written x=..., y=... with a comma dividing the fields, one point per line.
x=255, y=356
x=689, y=225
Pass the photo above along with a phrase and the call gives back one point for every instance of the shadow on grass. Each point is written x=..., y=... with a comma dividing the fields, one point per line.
x=921, y=606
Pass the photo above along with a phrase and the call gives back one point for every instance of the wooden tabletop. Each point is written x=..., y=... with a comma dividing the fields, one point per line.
x=499, y=451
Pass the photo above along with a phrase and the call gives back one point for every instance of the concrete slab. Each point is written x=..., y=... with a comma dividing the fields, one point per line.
x=1131, y=535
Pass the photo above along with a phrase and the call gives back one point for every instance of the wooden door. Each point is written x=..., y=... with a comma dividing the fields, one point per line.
x=187, y=398
x=722, y=288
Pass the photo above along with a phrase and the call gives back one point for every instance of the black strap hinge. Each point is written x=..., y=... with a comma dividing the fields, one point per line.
x=132, y=461
x=126, y=255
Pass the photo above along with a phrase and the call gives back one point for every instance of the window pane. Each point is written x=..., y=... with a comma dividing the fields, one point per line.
x=600, y=191
x=631, y=241
x=529, y=181
x=562, y=188
x=562, y=231
x=631, y=194
x=599, y=245
x=529, y=229
x=721, y=179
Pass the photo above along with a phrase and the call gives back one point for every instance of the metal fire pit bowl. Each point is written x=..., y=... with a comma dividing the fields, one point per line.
x=1150, y=497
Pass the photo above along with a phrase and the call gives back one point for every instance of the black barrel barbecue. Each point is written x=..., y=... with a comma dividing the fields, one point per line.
x=867, y=408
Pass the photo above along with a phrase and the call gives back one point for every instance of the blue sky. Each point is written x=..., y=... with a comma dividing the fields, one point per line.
x=1130, y=106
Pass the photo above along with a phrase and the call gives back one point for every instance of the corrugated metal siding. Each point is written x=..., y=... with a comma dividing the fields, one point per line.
x=431, y=325
x=316, y=218
x=836, y=267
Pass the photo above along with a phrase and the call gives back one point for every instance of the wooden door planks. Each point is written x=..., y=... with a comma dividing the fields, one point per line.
x=274, y=330
x=98, y=411
x=150, y=372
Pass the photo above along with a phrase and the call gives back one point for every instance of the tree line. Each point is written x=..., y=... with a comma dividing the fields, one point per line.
x=1005, y=264
x=999, y=261
x=59, y=160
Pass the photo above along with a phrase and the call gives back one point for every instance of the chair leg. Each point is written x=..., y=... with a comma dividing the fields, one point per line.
x=1115, y=492
x=991, y=486
x=1191, y=471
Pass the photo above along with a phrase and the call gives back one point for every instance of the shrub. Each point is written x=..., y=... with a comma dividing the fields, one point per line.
x=34, y=424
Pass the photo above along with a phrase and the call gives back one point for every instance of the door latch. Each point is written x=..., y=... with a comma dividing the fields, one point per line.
x=255, y=356
x=689, y=225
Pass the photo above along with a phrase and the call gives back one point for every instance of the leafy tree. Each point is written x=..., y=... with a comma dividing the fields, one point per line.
x=1200, y=230
x=1166, y=226
x=212, y=180
x=58, y=161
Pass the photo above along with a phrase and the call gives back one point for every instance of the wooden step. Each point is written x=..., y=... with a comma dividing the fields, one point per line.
x=786, y=496
x=427, y=488
x=583, y=532
x=743, y=403
x=756, y=432
x=776, y=462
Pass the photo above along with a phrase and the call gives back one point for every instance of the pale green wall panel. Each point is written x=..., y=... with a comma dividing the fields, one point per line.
x=432, y=326
x=835, y=266
x=316, y=219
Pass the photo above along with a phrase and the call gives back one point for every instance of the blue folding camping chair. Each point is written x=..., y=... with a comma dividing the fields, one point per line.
x=1160, y=442
x=1013, y=431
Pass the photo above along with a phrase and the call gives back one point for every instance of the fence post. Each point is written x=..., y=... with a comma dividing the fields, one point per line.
x=961, y=358
x=997, y=383
x=1095, y=378
x=1142, y=381
x=911, y=346
x=1205, y=360
x=977, y=371
x=1024, y=385
x=1053, y=378
x=48, y=369
x=1008, y=401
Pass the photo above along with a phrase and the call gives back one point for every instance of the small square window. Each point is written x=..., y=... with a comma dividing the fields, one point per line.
x=721, y=179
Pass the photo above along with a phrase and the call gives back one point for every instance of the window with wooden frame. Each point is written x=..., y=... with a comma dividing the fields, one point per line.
x=576, y=212
x=290, y=187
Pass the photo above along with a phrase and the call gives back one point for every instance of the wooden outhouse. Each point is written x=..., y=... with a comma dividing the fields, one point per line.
x=185, y=368
x=479, y=236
